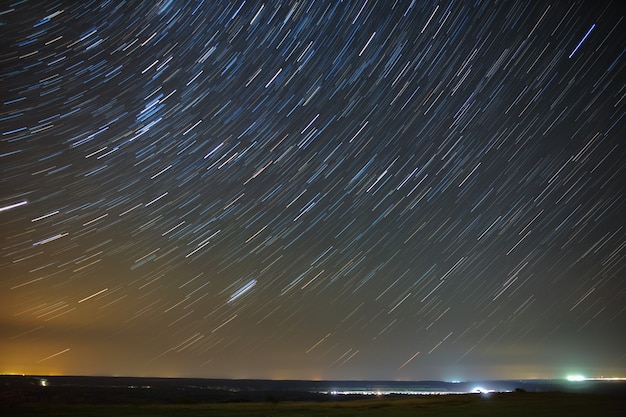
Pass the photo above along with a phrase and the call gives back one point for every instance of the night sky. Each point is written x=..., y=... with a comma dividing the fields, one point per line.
x=399, y=190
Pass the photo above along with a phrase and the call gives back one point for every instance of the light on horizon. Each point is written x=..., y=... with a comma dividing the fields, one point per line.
x=578, y=378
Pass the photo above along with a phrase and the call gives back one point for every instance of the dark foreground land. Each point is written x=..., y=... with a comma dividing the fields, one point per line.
x=503, y=404
x=125, y=397
x=495, y=404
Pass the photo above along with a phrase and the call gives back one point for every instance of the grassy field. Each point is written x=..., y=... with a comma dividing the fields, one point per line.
x=506, y=404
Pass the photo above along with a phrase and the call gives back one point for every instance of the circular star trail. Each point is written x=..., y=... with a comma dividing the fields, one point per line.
x=339, y=190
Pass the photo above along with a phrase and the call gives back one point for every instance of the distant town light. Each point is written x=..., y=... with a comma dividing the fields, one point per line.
x=575, y=378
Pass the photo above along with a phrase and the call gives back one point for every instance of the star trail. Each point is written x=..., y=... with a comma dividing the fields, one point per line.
x=399, y=190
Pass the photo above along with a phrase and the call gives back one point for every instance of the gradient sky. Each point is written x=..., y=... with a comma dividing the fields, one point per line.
x=336, y=190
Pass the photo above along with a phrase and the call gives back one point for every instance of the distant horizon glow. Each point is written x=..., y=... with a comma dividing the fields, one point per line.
x=570, y=378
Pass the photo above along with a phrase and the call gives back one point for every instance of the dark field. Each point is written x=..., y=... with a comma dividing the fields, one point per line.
x=122, y=397
x=501, y=404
